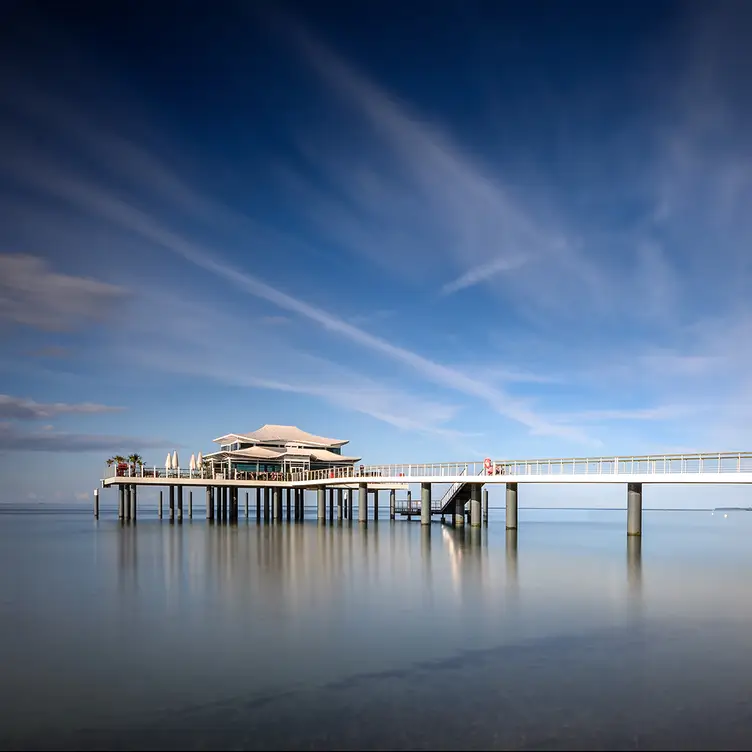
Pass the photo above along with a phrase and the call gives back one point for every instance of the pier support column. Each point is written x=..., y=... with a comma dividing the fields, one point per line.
x=246, y=504
x=345, y=503
x=375, y=505
x=459, y=512
x=475, y=505
x=180, y=503
x=121, y=502
x=634, y=509
x=277, y=492
x=409, y=505
x=267, y=494
x=331, y=505
x=349, y=503
x=96, y=504
x=134, y=504
x=235, y=504
x=363, y=503
x=160, y=507
x=425, y=503
x=190, y=505
x=258, y=505
x=511, y=506
x=172, y=503
x=392, y=504
x=485, y=506
x=288, y=502
x=340, y=504
x=321, y=504
x=209, y=514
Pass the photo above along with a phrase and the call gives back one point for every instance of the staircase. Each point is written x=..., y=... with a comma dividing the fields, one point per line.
x=456, y=492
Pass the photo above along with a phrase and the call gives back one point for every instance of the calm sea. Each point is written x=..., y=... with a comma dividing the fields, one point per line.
x=195, y=636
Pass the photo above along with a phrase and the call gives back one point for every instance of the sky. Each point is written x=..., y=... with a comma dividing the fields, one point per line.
x=492, y=229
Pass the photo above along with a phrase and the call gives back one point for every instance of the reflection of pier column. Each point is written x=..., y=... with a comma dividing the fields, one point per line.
x=511, y=506
x=634, y=508
x=363, y=503
x=321, y=504
x=425, y=503
x=511, y=557
x=634, y=564
x=475, y=505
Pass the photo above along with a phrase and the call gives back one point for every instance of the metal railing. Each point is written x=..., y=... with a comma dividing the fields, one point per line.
x=450, y=493
x=708, y=462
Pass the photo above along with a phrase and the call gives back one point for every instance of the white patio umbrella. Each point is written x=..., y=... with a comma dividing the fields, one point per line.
x=199, y=460
x=175, y=464
x=192, y=463
x=168, y=462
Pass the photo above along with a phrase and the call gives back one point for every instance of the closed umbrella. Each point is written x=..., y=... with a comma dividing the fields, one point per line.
x=199, y=460
x=192, y=463
x=175, y=464
x=168, y=464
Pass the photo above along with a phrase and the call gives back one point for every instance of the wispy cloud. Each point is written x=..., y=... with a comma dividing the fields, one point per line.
x=482, y=273
x=19, y=408
x=34, y=295
x=99, y=201
x=15, y=439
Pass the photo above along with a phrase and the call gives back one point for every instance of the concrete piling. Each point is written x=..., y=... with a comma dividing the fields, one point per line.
x=485, y=507
x=321, y=504
x=134, y=505
x=392, y=504
x=96, y=504
x=340, y=504
x=172, y=503
x=267, y=494
x=209, y=506
x=288, y=502
x=180, y=503
x=121, y=502
x=190, y=505
x=375, y=505
x=160, y=505
x=349, y=503
x=277, y=495
x=511, y=506
x=459, y=513
x=258, y=505
x=363, y=503
x=475, y=505
x=634, y=509
x=425, y=503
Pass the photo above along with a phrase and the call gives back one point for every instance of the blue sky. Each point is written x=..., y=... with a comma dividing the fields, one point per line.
x=494, y=229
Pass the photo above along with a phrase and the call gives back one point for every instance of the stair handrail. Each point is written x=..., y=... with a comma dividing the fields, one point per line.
x=451, y=491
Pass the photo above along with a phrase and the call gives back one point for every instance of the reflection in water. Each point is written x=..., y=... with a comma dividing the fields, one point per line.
x=225, y=636
x=512, y=580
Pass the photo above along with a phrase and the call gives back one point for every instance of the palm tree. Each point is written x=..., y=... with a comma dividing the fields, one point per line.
x=135, y=460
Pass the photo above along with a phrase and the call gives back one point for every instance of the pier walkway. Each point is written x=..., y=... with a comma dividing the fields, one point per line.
x=465, y=483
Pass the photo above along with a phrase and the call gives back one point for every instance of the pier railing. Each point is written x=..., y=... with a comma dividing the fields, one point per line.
x=716, y=462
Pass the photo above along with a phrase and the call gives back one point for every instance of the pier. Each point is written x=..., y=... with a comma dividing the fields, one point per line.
x=464, y=501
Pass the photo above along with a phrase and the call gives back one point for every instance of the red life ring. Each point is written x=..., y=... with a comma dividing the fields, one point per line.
x=488, y=465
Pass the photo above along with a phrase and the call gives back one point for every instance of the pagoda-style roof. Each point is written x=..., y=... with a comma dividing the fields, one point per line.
x=276, y=434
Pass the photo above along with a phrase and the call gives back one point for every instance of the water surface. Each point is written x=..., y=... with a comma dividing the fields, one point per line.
x=196, y=636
